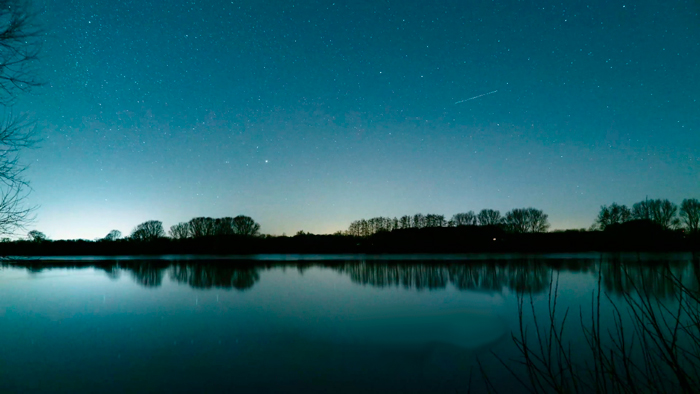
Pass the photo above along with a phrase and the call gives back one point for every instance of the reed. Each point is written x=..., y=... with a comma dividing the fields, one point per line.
x=645, y=344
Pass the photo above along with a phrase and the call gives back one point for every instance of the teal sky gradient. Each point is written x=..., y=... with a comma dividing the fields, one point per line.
x=307, y=115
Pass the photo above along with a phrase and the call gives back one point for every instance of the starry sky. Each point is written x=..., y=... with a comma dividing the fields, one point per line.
x=306, y=115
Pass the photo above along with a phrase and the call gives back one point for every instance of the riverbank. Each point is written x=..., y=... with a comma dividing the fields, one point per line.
x=446, y=240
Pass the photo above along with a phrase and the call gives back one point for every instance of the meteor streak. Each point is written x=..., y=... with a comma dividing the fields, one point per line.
x=476, y=97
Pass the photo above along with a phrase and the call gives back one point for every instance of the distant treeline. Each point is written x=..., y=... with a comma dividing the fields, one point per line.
x=632, y=236
x=650, y=225
x=663, y=213
x=521, y=220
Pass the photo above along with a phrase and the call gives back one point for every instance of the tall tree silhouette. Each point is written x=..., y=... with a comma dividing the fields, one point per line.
x=464, y=219
x=113, y=235
x=245, y=225
x=418, y=220
x=489, y=217
x=19, y=46
x=225, y=226
x=201, y=227
x=180, y=231
x=690, y=214
x=36, y=236
x=662, y=212
x=613, y=214
x=433, y=220
x=526, y=220
x=148, y=231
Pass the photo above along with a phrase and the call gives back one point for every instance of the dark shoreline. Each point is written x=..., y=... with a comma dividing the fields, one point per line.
x=456, y=240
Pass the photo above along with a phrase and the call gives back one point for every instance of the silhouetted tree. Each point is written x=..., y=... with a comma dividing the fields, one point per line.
x=245, y=225
x=377, y=224
x=19, y=45
x=613, y=214
x=418, y=221
x=395, y=224
x=489, y=217
x=36, y=236
x=179, y=231
x=225, y=226
x=147, y=231
x=662, y=212
x=360, y=228
x=354, y=229
x=464, y=219
x=113, y=235
x=433, y=220
x=539, y=221
x=690, y=214
x=405, y=222
x=526, y=220
x=202, y=227
x=517, y=220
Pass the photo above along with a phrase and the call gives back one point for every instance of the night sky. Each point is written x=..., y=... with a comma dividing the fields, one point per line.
x=306, y=115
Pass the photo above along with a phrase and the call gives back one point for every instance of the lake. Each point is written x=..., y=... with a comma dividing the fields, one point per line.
x=407, y=324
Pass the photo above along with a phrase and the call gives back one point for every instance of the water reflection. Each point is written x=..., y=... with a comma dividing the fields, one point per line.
x=146, y=273
x=656, y=278
x=298, y=325
x=212, y=275
x=644, y=339
x=525, y=275
x=516, y=275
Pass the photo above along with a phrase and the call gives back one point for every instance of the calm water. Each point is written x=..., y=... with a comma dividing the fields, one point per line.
x=343, y=325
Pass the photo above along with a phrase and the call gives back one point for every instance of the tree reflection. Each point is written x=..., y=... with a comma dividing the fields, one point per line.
x=413, y=276
x=214, y=275
x=516, y=275
x=146, y=273
x=657, y=279
x=619, y=275
x=477, y=277
x=645, y=339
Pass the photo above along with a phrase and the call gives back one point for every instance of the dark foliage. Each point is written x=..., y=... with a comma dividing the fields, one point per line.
x=633, y=236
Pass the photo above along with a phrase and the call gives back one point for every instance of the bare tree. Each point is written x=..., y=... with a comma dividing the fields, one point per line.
x=36, y=236
x=464, y=219
x=434, y=220
x=489, y=217
x=613, y=214
x=662, y=212
x=202, y=227
x=418, y=220
x=517, y=220
x=246, y=225
x=225, y=226
x=690, y=214
x=19, y=46
x=180, y=231
x=526, y=220
x=538, y=220
x=354, y=229
x=148, y=231
x=113, y=235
